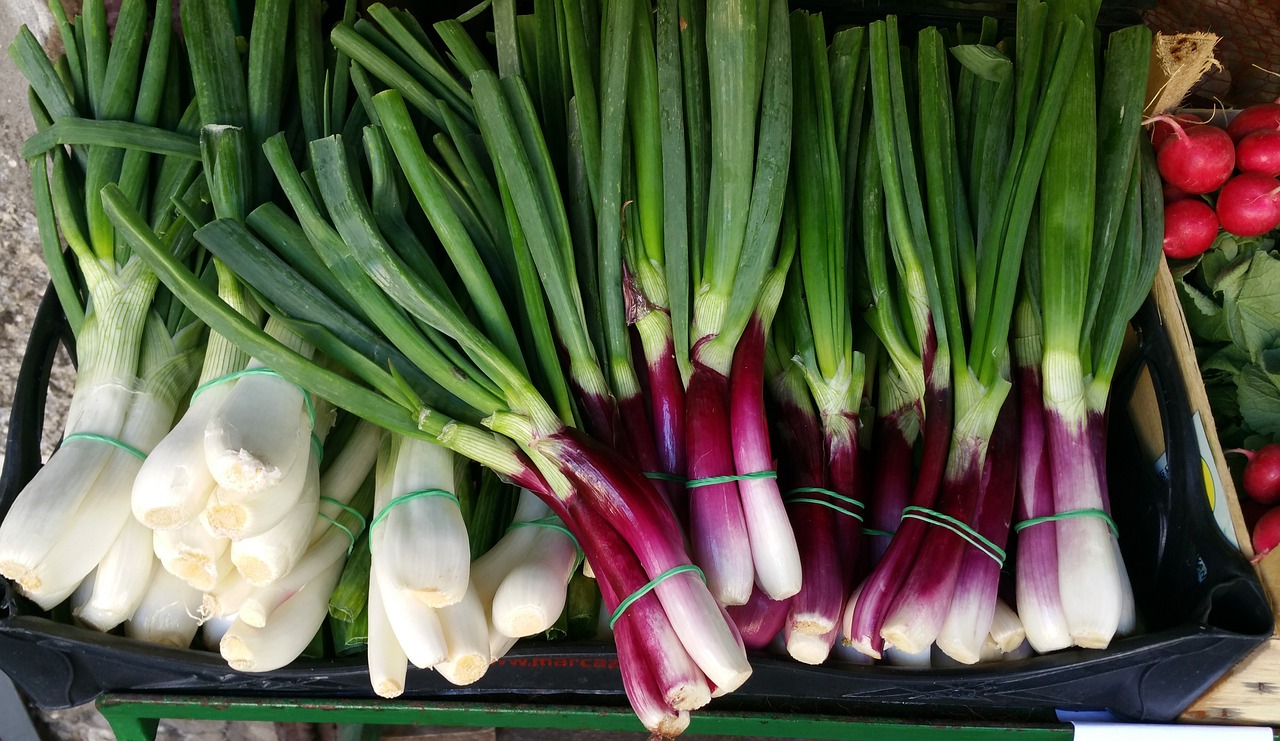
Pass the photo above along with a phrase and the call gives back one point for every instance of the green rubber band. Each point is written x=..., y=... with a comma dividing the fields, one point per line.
x=306, y=395
x=873, y=531
x=664, y=476
x=345, y=529
x=551, y=522
x=791, y=499
x=404, y=498
x=713, y=480
x=126, y=447
x=824, y=503
x=833, y=494
x=317, y=448
x=642, y=591
x=554, y=523
x=973, y=537
x=1087, y=512
x=350, y=510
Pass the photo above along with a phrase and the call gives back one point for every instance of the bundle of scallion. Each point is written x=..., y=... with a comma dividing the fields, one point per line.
x=1100, y=216
x=962, y=230
x=824, y=495
x=138, y=348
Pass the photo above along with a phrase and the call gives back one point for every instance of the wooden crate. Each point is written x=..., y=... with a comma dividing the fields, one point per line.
x=1250, y=693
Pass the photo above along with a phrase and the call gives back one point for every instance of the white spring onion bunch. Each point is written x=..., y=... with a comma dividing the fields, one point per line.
x=274, y=623
x=74, y=511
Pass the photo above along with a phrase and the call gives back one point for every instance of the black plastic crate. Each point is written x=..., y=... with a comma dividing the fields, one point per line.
x=1201, y=600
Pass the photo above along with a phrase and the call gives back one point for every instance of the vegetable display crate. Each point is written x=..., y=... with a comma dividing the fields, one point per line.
x=1246, y=694
x=1202, y=607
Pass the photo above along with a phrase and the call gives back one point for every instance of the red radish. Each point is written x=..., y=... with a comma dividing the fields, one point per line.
x=1262, y=473
x=1254, y=118
x=1260, y=152
x=1174, y=193
x=1249, y=206
x=1190, y=226
x=1162, y=130
x=1266, y=534
x=1198, y=159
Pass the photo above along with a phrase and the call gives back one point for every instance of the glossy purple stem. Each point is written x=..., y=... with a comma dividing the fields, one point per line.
x=774, y=553
x=759, y=620
x=821, y=593
x=1038, y=599
x=862, y=627
x=717, y=526
x=892, y=479
x=974, y=601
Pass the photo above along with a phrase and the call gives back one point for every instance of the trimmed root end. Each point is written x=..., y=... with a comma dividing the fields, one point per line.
x=27, y=580
x=163, y=518
x=806, y=649
x=195, y=569
x=899, y=637
x=689, y=696
x=236, y=653
x=1091, y=641
x=437, y=598
x=523, y=622
x=252, y=614
x=671, y=727
x=811, y=627
x=864, y=648
x=388, y=688
x=210, y=607
x=469, y=669
x=226, y=520
x=258, y=572
x=245, y=472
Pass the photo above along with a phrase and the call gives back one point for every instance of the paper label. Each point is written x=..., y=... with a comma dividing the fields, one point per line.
x=1089, y=731
x=1212, y=482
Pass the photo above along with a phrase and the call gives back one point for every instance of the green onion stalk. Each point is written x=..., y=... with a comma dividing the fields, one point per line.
x=952, y=583
x=828, y=107
x=1135, y=259
x=664, y=278
x=798, y=437
x=627, y=424
x=917, y=344
x=138, y=350
x=1075, y=278
x=738, y=527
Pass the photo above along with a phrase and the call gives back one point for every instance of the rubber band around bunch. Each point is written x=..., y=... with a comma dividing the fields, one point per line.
x=344, y=529
x=421, y=493
x=965, y=531
x=265, y=371
x=713, y=480
x=126, y=447
x=790, y=498
x=1069, y=514
x=664, y=476
x=348, y=509
x=552, y=522
x=653, y=583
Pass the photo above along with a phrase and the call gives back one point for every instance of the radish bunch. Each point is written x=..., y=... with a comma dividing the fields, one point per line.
x=1235, y=168
x=1261, y=482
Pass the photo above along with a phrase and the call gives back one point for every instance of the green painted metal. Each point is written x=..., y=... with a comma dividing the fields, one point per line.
x=134, y=718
